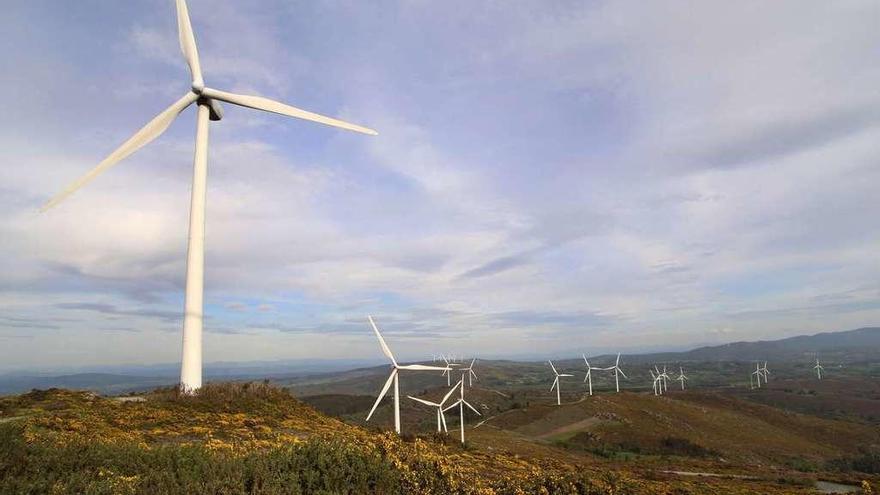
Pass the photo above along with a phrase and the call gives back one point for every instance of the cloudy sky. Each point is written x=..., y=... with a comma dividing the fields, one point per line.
x=550, y=178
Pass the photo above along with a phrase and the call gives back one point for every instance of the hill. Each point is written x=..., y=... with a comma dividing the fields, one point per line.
x=847, y=346
x=255, y=438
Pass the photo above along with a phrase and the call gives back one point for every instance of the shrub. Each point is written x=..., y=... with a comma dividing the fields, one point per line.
x=316, y=466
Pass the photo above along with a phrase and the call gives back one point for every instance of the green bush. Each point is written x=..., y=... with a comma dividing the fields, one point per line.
x=314, y=467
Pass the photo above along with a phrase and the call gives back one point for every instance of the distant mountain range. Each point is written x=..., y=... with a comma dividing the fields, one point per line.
x=853, y=346
x=862, y=344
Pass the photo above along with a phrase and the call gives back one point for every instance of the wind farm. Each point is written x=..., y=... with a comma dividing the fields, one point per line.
x=565, y=204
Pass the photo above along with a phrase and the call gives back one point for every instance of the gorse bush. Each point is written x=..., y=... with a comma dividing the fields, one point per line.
x=312, y=467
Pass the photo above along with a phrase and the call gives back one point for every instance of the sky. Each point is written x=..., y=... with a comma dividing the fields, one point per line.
x=550, y=178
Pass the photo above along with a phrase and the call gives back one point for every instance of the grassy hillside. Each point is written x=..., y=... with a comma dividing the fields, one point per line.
x=248, y=438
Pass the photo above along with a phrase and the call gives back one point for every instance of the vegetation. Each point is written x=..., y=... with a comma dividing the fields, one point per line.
x=257, y=439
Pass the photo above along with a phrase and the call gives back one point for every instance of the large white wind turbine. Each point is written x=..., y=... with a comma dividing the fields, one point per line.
x=441, y=419
x=461, y=403
x=556, y=383
x=208, y=101
x=818, y=369
x=617, y=371
x=395, y=368
x=681, y=377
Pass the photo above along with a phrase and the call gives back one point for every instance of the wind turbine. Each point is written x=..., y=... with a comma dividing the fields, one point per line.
x=461, y=403
x=469, y=371
x=665, y=376
x=617, y=370
x=556, y=383
x=589, y=377
x=208, y=102
x=395, y=368
x=757, y=374
x=766, y=373
x=658, y=387
x=448, y=370
x=441, y=419
x=818, y=368
x=681, y=377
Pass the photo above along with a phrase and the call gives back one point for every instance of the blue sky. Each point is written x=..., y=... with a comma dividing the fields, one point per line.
x=549, y=178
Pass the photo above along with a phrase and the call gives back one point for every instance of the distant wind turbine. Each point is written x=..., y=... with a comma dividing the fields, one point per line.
x=766, y=373
x=556, y=383
x=589, y=377
x=617, y=370
x=818, y=369
x=681, y=377
x=461, y=403
x=441, y=419
x=658, y=386
x=208, y=102
x=469, y=372
x=448, y=370
x=395, y=369
x=756, y=376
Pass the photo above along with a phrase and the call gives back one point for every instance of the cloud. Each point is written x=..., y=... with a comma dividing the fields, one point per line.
x=545, y=175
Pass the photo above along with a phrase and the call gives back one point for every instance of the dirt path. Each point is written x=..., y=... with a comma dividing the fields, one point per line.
x=11, y=418
x=580, y=425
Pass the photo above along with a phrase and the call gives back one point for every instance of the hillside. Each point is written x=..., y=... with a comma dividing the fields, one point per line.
x=254, y=438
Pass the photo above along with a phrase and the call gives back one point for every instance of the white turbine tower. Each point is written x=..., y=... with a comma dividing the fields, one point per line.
x=617, y=371
x=395, y=368
x=208, y=102
x=589, y=377
x=818, y=369
x=681, y=377
x=461, y=403
x=441, y=419
x=469, y=372
x=556, y=383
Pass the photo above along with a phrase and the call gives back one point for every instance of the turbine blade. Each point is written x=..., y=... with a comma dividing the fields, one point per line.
x=265, y=104
x=382, y=343
x=451, y=406
x=554, y=383
x=565, y=374
x=474, y=360
x=622, y=373
x=448, y=394
x=423, y=401
x=145, y=135
x=472, y=407
x=554, y=368
x=443, y=420
x=382, y=393
x=421, y=367
x=188, y=43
